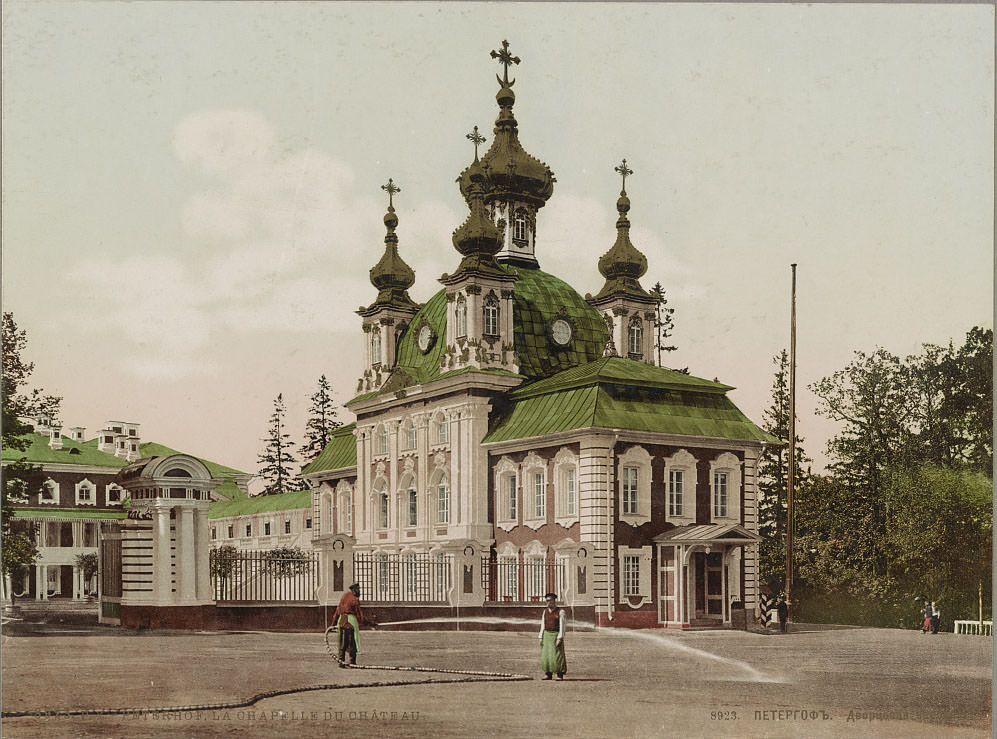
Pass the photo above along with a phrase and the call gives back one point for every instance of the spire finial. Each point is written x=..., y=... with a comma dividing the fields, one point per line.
x=624, y=170
x=505, y=59
x=391, y=189
x=476, y=138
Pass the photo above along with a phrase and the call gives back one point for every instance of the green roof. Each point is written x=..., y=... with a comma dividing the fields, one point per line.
x=340, y=452
x=68, y=513
x=152, y=449
x=72, y=452
x=618, y=393
x=261, y=504
x=537, y=297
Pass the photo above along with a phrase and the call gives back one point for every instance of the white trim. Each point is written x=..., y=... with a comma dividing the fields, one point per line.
x=643, y=555
x=731, y=465
x=565, y=462
x=681, y=461
x=53, y=488
x=504, y=469
x=122, y=494
x=533, y=466
x=85, y=484
x=636, y=457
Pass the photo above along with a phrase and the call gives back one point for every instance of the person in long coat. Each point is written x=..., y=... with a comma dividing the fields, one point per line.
x=552, y=624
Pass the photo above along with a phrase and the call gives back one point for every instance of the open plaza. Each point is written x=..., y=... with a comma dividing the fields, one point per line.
x=814, y=682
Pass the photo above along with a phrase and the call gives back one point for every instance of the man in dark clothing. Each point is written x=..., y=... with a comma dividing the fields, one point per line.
x=783, y=611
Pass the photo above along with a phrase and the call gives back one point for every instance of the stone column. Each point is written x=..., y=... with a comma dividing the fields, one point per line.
x=186, y=566
x=41, y=583
x=202, y=554
x=595, y=498
x=161, y=556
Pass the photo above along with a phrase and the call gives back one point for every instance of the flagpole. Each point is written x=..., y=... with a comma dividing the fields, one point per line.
x=791, y=477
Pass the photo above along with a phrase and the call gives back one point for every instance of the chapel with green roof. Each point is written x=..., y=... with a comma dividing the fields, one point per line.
x=525, y=429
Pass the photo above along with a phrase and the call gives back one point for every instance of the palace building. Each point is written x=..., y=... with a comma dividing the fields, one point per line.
x=524, y=431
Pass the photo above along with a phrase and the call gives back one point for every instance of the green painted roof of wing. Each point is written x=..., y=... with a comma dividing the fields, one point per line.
x=620, y=393
x=261, y=504
x=72, y=452
x=538, y=297
x=152, y=449
x=618, y=370
x=340, y=452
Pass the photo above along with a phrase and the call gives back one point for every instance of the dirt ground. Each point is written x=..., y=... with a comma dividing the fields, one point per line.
x=809, y=683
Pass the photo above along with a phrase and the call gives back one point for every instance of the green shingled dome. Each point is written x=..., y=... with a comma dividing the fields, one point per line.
x=538, y=297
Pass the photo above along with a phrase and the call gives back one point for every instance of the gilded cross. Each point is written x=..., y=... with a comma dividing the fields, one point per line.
x=476, y=138
x=624, y=170
x=391, y=189
x=505, y=59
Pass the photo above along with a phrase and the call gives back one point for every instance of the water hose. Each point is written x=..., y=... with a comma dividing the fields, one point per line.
x=467, y=676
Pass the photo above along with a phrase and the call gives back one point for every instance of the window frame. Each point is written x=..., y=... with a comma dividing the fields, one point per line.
x=684, y=462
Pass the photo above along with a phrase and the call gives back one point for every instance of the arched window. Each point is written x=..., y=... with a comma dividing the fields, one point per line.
x=461, y=313
x=443, y=500
x=519, y=225
x=636, y=337
x=375, y=347
x=412, y=498
x=382, y=504
x=491, y=316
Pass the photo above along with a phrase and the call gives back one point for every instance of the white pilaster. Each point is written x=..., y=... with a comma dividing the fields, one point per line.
x=161, y=566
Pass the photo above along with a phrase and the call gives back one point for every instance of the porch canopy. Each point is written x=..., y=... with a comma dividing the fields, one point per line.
x=708, y=534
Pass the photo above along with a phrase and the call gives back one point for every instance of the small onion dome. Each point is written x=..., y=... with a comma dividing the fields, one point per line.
x=391, y=276
x=477, y=238
x=512, y=173
x=623, y=265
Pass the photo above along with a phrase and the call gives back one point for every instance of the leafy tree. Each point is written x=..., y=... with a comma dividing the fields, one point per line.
x=277, y=460
x=773, y=473
x=287, y=561
x=875, y=401
x=664, y=324
x=955, y=402
x=18, y=546
x=321, y=421
x=222, y=563
x=88, y=563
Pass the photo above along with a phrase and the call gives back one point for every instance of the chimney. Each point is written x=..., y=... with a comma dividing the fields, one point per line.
x=55, y=442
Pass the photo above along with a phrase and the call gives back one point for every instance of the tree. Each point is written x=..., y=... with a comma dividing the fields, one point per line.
x=663, y=322
x=277, y=459
x=875, y=400
x=955, y=402
x=321, y=421
x=88, y=563
x=18, y=545
x=773, y=474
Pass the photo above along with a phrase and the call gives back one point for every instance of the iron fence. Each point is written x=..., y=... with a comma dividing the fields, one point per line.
x=510, y=580
x=406, y=578
x=264, y=576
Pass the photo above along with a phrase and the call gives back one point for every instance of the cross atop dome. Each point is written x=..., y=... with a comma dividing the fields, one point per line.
x=624, y=170
x=391, y=188
x=475, y=138
x=505, y=59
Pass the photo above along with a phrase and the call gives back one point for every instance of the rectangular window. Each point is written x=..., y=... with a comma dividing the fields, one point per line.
x=84, y=493
x=108, y=439
x=511, y=496
x=214, y=533
x=443, y=432
x=231, y=532
x=412, y=507
x=461, y=312
x=539, y=495
x=719, y=494
x=375, y=348
x=266, y=529
x=384, y=510
x=308, y=523
x=569, y=491
x=443, y=502
x=631, y=575
x=382, y=445
x=249, y=529
x=675, y=484
x=491, y=320
x=347, y=513
x=629, y=491
x=411, y=437
x=287, y=527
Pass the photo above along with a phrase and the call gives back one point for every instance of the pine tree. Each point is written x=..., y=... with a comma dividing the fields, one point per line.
x=277, y=458
x=321, y=421
x=663, y=322
x=773, y=474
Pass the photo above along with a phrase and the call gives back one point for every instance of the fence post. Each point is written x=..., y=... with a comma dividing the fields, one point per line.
x=336, y=568
x=466, y=587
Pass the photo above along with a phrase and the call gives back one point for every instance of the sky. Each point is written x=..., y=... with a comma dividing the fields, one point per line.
x=192, y=201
